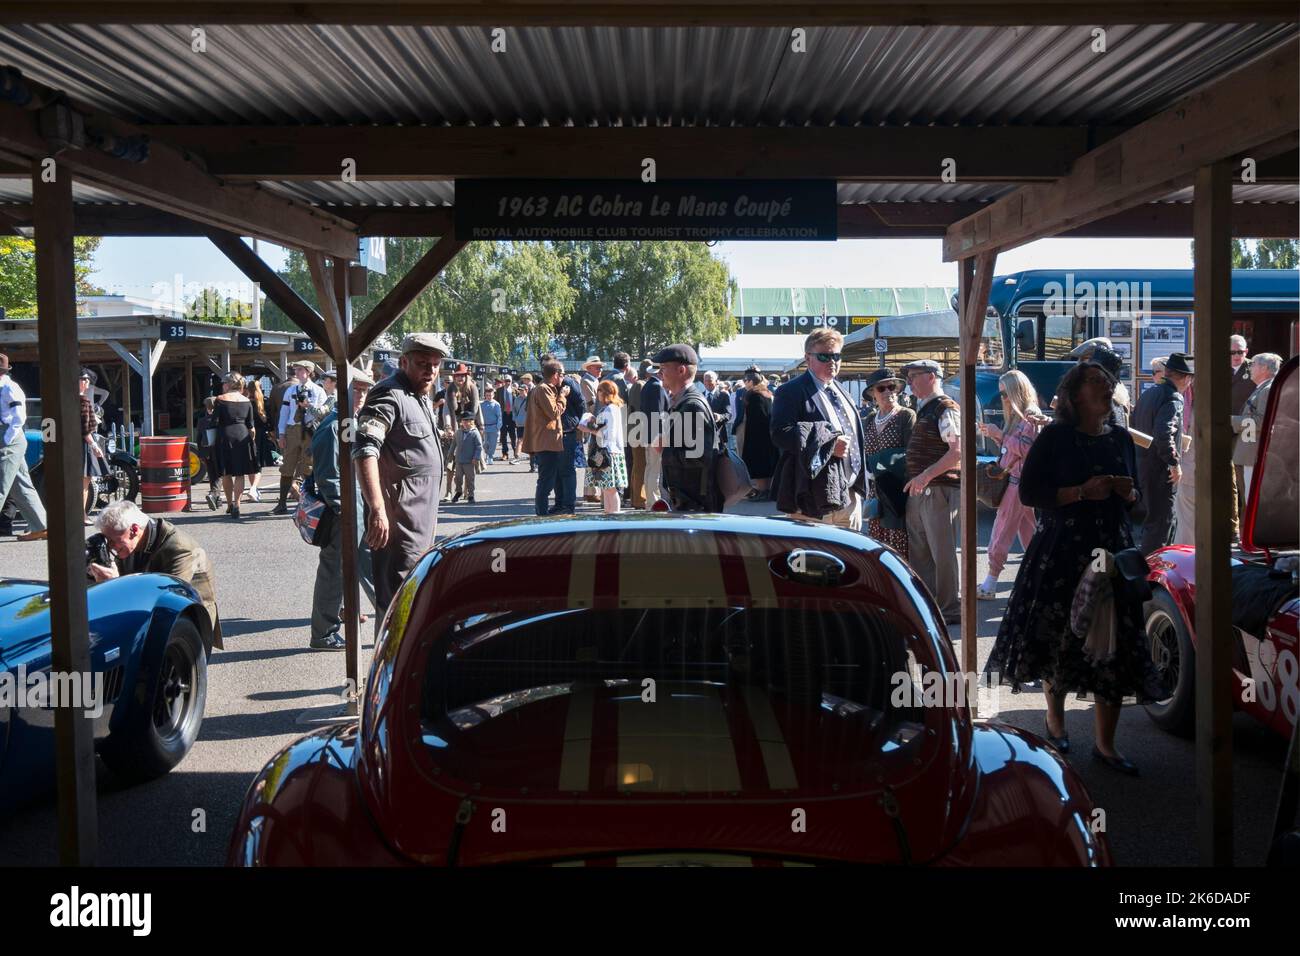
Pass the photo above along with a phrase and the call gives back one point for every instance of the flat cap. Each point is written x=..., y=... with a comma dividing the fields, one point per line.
x=922, y=365
x=648, y=367
x=308, y=364
x=330, y=373
x=676, y=353
x=362, y=376
x=425, y=342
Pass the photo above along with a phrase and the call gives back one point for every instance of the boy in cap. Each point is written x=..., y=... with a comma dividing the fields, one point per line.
x=469, y=448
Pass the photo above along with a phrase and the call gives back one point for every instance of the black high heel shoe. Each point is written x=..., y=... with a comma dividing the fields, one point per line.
x=1061, y=743
x=1120, y=764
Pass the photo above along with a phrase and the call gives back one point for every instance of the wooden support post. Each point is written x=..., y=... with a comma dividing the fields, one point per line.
x=974, y=277
x=349, y=543
x=1212, y=446
x=69, y=618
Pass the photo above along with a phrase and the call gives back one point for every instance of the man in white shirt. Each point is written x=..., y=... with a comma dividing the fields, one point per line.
x=14, y=477
x=934, y=486
x=299, y=413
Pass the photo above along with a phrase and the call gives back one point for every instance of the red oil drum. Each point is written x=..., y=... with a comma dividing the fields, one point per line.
x=164, y=474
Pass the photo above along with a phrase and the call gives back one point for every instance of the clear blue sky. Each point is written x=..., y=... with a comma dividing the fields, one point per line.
x=133, y=265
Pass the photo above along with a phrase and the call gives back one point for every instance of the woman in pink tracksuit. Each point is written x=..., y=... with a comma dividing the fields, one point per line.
x=1022, y=418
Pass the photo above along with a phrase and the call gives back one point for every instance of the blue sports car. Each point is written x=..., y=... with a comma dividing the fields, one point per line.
x=150, y=638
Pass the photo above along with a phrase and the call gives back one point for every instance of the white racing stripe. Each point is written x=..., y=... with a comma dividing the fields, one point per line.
x=679, y=743
x=776, y=755
x=575, y=760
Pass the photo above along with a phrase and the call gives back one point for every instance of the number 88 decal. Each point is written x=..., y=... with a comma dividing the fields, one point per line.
x=1287, y=670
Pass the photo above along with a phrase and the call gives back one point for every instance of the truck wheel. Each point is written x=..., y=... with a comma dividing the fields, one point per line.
x=1175, y=658
x=161, y=728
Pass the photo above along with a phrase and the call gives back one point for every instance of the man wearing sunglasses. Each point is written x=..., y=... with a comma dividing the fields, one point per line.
x=934, y=486
x=820, y=475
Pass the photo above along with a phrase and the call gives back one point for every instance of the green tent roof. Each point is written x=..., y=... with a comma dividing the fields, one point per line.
x=833, y=300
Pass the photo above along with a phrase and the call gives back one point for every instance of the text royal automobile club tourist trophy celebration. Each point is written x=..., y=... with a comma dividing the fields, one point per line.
x=628, y=434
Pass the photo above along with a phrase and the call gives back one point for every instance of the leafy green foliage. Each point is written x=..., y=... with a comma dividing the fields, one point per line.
x=18, y=273
x=508, y=301
x=1265, y=253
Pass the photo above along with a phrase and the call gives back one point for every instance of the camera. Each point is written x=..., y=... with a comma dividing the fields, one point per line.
x=98, y=552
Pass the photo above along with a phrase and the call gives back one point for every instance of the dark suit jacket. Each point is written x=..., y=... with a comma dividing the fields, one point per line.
x=1242, y=387
x=795, y=404
x=654, y=397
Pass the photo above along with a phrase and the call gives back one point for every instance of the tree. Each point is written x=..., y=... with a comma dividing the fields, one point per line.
x=219, y=306
x=495, y=301
x=641, y=296
x=18, y=272
x=1265, y=253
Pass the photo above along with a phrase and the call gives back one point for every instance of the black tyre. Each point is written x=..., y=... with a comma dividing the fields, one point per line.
x=164, y=721
x=1175, y=658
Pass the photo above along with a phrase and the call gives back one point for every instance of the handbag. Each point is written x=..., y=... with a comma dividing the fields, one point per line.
x=991, y=484
x=733, y=477
x=313, y=516
x=597, y=457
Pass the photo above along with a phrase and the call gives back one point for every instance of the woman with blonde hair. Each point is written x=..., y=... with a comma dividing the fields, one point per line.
x=1021, y=419
x=263, y=443
x=607, y=428
x=233, y=454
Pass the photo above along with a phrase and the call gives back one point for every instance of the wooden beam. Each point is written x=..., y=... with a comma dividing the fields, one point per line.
x=133, y=362
x=390, y=308
x=1253, y=112
x=439, y=153
x=627, y=13
x=167, y=179
x=975, y=278
x=74, y=745
x=276, y=289
x=1212, y=448
x=336, y=336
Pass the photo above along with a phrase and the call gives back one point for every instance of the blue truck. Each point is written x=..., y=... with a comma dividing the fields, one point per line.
x=1042, y=314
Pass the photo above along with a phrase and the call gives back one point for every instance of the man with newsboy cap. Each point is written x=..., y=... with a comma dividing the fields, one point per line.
x=297, y=417
x=398, y=458
x=933, y=463
x=327, y=596
x=690, y=442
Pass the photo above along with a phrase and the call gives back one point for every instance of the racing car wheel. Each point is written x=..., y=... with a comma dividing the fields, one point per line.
x=164, y=719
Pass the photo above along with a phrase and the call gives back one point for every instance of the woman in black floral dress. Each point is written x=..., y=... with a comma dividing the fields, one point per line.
x=1077, y=475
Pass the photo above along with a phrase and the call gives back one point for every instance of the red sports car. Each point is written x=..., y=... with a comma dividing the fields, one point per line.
x=651, y=689
x=1266, y=605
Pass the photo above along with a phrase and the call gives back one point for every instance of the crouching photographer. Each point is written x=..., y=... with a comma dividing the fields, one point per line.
x=130, y=542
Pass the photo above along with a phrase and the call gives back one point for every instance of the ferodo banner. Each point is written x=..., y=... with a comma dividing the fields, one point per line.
x=694, y=210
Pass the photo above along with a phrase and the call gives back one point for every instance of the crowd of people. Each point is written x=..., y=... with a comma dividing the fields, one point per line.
x=1094, y=472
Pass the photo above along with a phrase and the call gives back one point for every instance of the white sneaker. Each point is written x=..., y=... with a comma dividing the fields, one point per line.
x=254, y=493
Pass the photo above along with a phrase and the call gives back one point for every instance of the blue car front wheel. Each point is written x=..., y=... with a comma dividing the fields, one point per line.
x=164, y=721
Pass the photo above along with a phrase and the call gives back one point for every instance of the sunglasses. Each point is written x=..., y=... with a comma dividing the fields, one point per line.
x=886, y=388
x=1237, y=352
x=828, y=357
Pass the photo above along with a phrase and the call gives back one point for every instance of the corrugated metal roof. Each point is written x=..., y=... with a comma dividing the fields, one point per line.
x=612, y=76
